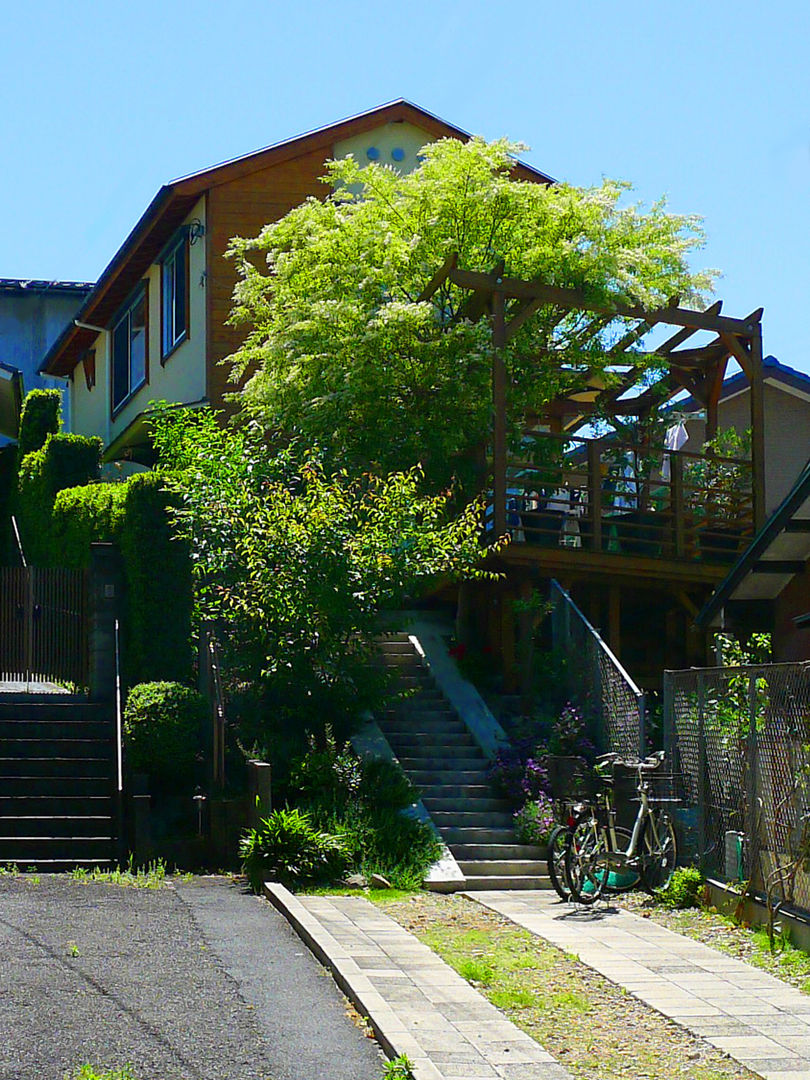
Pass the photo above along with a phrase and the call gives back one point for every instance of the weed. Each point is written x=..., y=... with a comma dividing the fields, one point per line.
x=399, y=1068
x=477, y=971
x=89, y=1072
x=151, y=876
x=72, y=948
x=685, y=889
x=10, y=870
x=512, y=999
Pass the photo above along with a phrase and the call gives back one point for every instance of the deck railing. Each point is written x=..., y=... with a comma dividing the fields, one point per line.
x=604, y=495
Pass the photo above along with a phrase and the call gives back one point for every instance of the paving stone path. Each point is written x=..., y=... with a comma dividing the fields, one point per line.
x=756, y=1019
x=415, y=1001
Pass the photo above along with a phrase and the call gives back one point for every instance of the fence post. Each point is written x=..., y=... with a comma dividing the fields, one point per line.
x=751, y=778
x=701, y=776
x=105, y=592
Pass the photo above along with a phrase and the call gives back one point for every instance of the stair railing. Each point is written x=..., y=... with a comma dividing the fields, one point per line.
x=610, y=695
x=119, y=749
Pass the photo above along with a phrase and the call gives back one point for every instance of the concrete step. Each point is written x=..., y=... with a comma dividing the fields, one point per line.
x=70, y=785
x=472, y=806
x=430, y=741
x=424, y=723
x=58, y=748
x=430, y=777
x=42, y=805
x=458, y=819
x=477, y=834
x=497, y=852
x=55, y=728
x=460, y=792
x=484, y=883
x=28, y=850
x=429, y=763
x=56, y=826
x=52, y=707
x=54, y=766
x=502, y=867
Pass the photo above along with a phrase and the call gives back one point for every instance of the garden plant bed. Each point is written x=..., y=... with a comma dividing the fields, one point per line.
x=719, y=931
x=595, y=1029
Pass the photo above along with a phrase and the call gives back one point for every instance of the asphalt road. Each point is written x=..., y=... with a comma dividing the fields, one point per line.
x=200, y=981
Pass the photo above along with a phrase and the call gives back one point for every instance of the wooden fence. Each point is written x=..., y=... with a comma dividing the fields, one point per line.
x=43, y=627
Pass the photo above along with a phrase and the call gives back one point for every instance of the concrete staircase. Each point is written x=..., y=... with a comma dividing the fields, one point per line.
x=57, y=761
x=442, y=759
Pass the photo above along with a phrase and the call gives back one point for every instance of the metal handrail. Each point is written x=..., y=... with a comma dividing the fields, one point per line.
x=119, y=747
x=218, y=754
x=601, y=645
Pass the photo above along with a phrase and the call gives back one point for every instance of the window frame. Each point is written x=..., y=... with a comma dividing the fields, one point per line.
x=169, y=259
x=141, y=294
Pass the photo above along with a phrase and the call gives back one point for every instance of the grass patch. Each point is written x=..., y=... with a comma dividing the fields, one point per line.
x=592, y=1027
x=374, y=895
x=90, y=1072
x=151, y=876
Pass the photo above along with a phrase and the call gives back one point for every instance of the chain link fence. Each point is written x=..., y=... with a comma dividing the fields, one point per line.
x=739, y=737
x=611, y=700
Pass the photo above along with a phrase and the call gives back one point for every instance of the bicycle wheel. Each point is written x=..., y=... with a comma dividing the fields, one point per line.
x=587, y=861
x=557, y=843
x=621, y=878
x=659, y=852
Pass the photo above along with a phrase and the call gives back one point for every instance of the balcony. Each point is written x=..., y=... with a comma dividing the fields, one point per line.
x=613, y=506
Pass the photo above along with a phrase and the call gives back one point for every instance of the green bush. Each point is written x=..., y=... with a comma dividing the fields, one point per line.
x=158, y=578
x=287, y=847
x=685, y=889
x=40, y=417
x=85, y=515
x=8, y=484
x=65, y=461
x=390, y=843
x=162, y=726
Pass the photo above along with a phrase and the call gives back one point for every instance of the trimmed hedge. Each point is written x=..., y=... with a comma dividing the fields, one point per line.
x=85, y=515
x=159, y=588
x=40, y=417
x=8, y=483
x=163, y=722
x=64, y=461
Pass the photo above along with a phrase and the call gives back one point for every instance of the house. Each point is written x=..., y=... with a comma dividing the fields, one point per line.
x=32, y=315
x=768, y=587
x=640, y=558
x=786, y=423
x=154, y=326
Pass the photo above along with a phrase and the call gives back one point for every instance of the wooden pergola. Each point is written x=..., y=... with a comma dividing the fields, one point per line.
x=510, y=302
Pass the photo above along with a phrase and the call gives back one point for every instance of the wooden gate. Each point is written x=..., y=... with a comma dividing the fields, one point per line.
x=43, y=627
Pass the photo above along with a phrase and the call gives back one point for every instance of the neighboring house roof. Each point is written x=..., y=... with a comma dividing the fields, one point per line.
x=34, y=285
x=778, y=551
x=774, y=373
x=174, y=201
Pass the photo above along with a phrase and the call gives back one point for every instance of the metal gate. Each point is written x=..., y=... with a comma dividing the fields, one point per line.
x=43, y=628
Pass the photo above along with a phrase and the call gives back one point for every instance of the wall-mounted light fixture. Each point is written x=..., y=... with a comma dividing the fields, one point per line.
x=196, y=230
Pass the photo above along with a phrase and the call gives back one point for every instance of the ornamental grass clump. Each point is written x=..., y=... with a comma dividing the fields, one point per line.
x=287, y=847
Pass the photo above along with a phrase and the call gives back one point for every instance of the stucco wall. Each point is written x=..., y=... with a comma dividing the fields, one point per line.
x=181, y=378
x=30, y=321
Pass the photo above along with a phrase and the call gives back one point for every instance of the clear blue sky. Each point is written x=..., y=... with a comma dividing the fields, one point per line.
x=708, y=103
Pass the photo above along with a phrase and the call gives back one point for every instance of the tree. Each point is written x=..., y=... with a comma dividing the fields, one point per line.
x=296, y=565
x=342, y=351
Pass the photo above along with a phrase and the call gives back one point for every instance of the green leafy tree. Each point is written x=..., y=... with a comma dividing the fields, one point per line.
x=296, y=564
x=342, y=350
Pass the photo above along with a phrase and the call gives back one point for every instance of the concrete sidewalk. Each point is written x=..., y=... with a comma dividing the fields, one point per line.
x=415, y=1002
x=757, y=1020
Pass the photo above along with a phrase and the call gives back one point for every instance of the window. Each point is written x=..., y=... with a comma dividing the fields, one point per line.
x=174, y=291
x=129, y=350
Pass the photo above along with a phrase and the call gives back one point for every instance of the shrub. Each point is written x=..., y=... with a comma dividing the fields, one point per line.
x=287, y=847
x=162, y=725
x=684, y=890
x=534, y=821
x=40, y=417
x=64, y=461
x=158, y=577
x=86, y=515
x=8, y=483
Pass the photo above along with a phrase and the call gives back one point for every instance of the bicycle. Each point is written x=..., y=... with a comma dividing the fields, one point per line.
x=598, y=848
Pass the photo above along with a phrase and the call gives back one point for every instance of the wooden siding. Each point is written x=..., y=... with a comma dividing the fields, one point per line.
x=242, y=207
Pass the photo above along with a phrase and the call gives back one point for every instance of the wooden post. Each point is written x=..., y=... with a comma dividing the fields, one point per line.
x=678, y=503
x=595, y=492
x=526, y=645
x=499, y=414
x=757, y=429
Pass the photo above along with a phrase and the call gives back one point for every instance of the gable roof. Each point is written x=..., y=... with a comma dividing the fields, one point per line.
x=774, y=373
x=175, y=200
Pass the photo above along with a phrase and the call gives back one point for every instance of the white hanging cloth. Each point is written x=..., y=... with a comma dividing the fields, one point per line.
x=674, y=439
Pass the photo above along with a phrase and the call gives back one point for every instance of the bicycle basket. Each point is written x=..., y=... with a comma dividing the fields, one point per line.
x=665, y=787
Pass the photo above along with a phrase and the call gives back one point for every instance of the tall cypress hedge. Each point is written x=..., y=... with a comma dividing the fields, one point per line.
x=40, y=417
